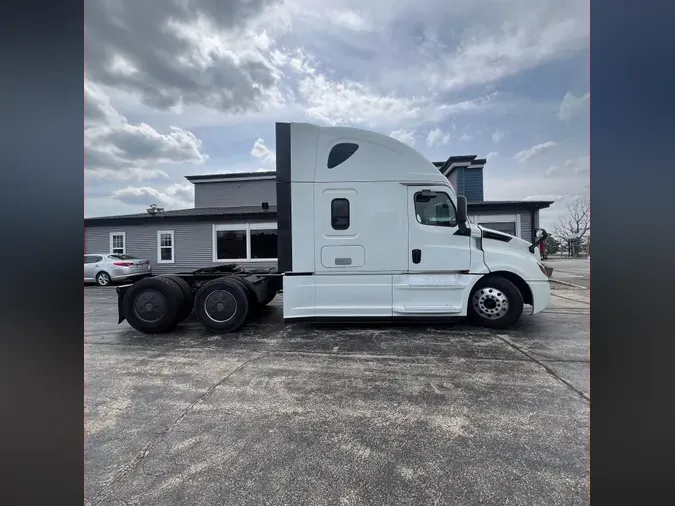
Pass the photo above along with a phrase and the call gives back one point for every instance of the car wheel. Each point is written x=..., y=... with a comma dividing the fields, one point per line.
x=151, y=305
x=495, y=303
x=222, y=305
x=103, y=279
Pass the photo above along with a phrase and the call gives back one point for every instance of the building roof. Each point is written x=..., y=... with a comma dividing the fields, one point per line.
x=197, y=213
x=455, y=162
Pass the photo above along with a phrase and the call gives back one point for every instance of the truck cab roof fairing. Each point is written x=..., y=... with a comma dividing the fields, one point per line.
x=378, y=157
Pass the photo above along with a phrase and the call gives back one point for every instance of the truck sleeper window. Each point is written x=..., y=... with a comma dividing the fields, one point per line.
x=435, y=209
x=339, y=214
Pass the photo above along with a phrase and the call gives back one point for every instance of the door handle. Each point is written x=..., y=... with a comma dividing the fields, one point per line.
x=416, y=256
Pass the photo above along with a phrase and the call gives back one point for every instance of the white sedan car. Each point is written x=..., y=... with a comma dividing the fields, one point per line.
x=104, y=268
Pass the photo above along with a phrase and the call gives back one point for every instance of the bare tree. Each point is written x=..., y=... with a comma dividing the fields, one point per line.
x=576, y=224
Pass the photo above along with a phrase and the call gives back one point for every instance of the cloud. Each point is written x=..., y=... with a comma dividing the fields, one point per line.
x=125, y=174
x=465, y=137
x=545, y=197
x=344, y=101
x=348, y=102
x=572, y=167
x=552, y=171
x=176, y=196
x=526, y=39
x=579, y=165
x=115, y=149
x=350, y=20
x=572, y=106
x=526, y=154
x=497, y=136
x=436, y=137
x=405, y=136
x=491, y=154
x=262, y=152
x=216, y=54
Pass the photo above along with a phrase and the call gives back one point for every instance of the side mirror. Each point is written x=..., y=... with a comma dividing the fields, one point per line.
x=540, y=236
x=462, y=215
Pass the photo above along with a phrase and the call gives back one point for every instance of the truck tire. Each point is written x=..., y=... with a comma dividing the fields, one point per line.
x=495, y=303
x=188, y=302
x=151, y=305
x=222, y=305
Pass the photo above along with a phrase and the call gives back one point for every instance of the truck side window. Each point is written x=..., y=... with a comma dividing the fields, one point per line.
x=435, y=208
x=339, y=214
x=341, y=153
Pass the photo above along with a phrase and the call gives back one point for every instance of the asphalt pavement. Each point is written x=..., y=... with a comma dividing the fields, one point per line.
x=574, y=271
x=338, y=414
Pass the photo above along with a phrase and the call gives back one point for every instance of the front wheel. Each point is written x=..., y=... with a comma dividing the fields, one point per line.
x=495, y=303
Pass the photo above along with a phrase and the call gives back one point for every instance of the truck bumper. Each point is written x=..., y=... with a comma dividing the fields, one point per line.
x=541, y=295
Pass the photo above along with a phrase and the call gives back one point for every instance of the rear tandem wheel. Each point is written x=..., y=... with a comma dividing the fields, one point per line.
x=188, y=302
x=222, y=305
x=152, y=304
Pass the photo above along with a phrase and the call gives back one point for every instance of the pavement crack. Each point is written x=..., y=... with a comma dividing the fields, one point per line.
x=570, y=298
x=543, y=364
x=146, y=449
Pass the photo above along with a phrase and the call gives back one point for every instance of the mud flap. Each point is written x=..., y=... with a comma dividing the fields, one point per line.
x=121, y=291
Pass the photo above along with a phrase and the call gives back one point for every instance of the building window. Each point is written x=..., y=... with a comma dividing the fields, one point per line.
x=435, y=209
x=341, y=153
x=245, y=242
x=165, y=247
x=118, y=243
x=339, y=214
x=263, y=242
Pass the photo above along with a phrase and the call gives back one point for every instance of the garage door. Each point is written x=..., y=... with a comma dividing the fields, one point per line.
x=507, y=223
x=508, y=227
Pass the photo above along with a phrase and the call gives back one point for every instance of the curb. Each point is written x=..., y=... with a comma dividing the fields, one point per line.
x=565, y=283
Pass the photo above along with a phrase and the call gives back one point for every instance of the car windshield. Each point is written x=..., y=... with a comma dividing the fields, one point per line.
x=123, y=257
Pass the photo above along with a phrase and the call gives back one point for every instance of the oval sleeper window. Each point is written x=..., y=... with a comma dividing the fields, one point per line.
x=340, y=153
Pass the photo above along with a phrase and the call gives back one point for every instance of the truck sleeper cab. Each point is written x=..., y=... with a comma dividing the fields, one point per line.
x=366, y=227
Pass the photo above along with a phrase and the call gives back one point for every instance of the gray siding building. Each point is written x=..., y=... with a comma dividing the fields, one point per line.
x=234, y=221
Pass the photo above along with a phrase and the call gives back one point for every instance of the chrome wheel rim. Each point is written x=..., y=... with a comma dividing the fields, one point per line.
x=490, y=303
x=103, y=279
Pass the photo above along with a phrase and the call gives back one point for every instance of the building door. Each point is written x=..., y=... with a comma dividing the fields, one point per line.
x=432, y=226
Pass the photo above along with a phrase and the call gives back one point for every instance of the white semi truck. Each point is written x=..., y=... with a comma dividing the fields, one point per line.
x=367, y=228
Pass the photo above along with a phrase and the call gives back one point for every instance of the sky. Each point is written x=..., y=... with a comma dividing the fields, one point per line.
x=184, y=87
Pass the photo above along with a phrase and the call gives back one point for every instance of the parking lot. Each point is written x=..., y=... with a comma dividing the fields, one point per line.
x=339, y=414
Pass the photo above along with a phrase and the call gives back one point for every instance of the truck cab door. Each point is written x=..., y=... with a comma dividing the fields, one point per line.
x=437, y=256
x=434, y=242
